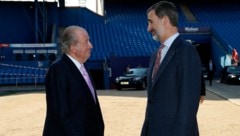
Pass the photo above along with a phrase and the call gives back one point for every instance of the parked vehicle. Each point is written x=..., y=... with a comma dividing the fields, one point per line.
x=230, y=74
x=134, y=78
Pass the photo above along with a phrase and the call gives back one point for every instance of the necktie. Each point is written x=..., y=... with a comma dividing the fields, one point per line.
x=157, y=61
x=88, y=81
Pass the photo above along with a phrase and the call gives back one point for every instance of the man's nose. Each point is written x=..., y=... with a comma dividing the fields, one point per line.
x=149, y=28
x=90, y=45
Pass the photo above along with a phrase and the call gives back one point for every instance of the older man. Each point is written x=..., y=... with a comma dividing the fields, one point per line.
x=72, y=105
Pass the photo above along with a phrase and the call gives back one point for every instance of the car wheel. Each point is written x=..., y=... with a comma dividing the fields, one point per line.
x=142, y=86
x=228, y=82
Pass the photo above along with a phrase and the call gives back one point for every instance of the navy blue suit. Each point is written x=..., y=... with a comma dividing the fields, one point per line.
x=173, y=97
x=71, y=109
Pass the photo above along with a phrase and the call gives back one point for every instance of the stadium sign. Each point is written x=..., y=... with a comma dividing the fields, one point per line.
x=194, y=29
x=191, y=29
x=33, y=45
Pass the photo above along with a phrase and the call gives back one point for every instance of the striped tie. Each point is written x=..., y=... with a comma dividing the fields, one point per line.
x=157, y=62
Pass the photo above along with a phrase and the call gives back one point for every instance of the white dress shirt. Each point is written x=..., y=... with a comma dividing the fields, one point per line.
x=168, y=44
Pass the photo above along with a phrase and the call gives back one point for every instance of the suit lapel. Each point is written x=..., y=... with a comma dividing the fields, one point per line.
x=78, y=75
x=150, y=69
x=72, y=67
x=74, y=70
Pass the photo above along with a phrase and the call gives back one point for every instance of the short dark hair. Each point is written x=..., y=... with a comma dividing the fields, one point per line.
x=165, y=8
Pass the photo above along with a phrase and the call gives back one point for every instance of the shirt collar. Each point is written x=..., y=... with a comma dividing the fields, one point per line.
x=77, y=64
x=170, y=40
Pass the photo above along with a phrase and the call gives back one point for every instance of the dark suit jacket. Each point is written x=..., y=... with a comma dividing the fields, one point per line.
x=71, y=109
x=173, y=97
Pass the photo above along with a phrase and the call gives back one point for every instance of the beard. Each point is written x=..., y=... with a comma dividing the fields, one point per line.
x=155, y=38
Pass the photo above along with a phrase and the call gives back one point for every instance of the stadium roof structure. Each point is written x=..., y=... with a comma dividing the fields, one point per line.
x=97, y=6
x=61, y=3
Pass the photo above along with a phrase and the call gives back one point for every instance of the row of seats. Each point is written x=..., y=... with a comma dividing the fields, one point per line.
x=22, y=80
x=125, y=34
x=21, y=71
x=224, y=21
x=121, y=13
x=119, y=39
x=216, y=12
x=14, y=75
x=126, y=28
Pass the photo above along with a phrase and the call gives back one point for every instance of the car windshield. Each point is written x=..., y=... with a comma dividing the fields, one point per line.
x=136, y=71
x=234, y=69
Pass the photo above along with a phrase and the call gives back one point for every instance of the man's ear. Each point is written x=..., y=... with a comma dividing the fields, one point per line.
x=165, y=20
x=72, y=48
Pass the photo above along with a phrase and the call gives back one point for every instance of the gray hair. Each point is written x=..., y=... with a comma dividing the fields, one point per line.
x=68, y=38
x=165, y=8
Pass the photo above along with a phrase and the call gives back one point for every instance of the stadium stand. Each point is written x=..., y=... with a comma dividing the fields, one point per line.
x=120, y=34
x=223, y=19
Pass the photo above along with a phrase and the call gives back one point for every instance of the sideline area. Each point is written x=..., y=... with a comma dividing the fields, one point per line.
x=226, y=91
x=24, y=108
